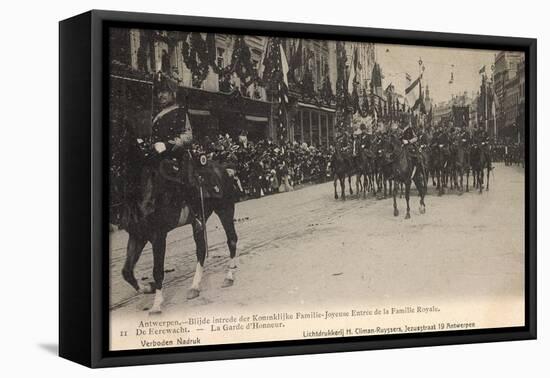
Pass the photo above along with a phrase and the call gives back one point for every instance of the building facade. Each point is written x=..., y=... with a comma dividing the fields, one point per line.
x=220, y=81
x=505, y=79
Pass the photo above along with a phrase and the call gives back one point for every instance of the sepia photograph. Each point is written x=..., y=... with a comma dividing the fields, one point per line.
x=266, y=188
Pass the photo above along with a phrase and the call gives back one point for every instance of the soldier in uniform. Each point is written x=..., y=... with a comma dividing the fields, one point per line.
x=172, y=138
x=365, y=138
x=409, y=139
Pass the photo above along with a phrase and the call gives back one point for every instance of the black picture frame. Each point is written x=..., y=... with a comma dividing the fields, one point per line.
x=83, y=228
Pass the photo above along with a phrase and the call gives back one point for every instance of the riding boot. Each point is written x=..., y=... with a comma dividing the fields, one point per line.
x=196, y=220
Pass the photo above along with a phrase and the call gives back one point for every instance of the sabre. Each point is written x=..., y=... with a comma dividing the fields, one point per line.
x=203, y=217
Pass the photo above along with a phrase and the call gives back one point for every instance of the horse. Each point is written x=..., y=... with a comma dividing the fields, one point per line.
x=480, y=160
x=462, y=164
x=364, y=169
x=383, y=166
x=426, y=154
x=405, y=170
x=439, y=159
x=160, y=207
x=341, y=166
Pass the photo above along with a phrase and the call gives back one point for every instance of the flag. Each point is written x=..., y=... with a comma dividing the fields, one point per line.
x=284, y=65
x=296, y=61
x=412, y=95
x=408, y=77
x=412, y=86
x=376, y=81
x=352, y=71
x=264, y=53
x=495, y=97
x=276, y=82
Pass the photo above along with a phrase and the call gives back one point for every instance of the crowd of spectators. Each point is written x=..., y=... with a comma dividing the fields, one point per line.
x=263, y=167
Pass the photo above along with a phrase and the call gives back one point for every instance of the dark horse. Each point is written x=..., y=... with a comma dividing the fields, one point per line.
x=364, y=167
x=439, y=165
x=341, y=166
x=159, y=207
x=480, y=160
x=405, y=170
x=462, y=165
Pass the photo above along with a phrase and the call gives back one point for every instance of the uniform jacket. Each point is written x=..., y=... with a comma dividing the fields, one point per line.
x=169, y=123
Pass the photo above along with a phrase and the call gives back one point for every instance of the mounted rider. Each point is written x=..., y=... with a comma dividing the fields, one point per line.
x=441, y=140
x=464, y=138
x=171, y=139
x=409, y=139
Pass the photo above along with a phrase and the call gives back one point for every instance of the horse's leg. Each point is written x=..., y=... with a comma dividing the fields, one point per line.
x=200, y=243
x=343, y=187
x=335, y=182
x=460, y=184
x=394, y=194
x=133, y=252
x=480, y=180
x=439, y=183
x=407, y=197
x=349, y=182
x=488, y=173
x=226, y=215
x=422, y=187
x=357, y=183
x=467, y=179
x=159, y=252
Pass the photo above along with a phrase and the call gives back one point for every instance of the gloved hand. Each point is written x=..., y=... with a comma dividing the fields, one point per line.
x=405, y=142
x=159, y=147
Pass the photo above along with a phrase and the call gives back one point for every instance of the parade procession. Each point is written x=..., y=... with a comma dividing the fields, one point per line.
x=319, y=158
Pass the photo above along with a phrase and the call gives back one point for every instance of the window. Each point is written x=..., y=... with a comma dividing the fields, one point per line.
x=306, y=126
x=330, y=129
x=298, y=126
x=315, y=128
x=323, y=129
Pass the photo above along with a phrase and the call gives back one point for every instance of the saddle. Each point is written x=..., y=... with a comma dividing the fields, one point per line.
x=207, y=177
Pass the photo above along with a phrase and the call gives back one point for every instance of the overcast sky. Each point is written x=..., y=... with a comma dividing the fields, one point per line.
x=395, y=60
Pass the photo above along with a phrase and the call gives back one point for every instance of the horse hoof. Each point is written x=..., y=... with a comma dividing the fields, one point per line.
x=395, y=212
x=155, y=311
x=408, y=216
x=227, y=283
x=192, y=293
x=147, y=289
x=335, y=197
x=422, y=210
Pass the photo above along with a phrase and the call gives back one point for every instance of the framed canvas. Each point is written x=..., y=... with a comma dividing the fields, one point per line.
x=236, y=188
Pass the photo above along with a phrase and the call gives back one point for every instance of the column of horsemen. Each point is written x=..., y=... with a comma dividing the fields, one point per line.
x=444, y=155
